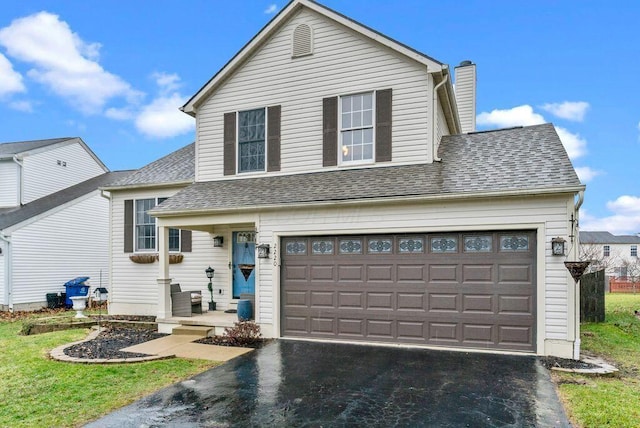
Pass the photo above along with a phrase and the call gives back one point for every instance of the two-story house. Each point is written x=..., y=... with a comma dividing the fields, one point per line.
x=614, y=253
x=54, y=223
x=345, y=159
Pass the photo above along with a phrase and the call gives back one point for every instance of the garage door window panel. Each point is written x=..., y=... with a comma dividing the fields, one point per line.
x=296, y=248
x=322, y=247
x=444, y=244
x=514, y=243
x=411, y=245
x=478, y=243
x=380, y=246
x=350, y=246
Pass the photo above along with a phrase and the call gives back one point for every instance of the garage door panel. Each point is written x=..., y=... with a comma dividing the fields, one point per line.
x=477, y=303
x=441, y=289
x=351, y=300
x=322, y=299
x=380, y=300
x=439, y=302
x=411, y=301
x=443, y=273
x=514, y=273
x=350, y=273
x=477, y=274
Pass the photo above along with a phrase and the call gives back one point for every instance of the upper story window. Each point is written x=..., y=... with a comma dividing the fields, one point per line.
x=606, y=251
x=634, y=251
x=356, y=128
x=251, y=140
x=145, y=227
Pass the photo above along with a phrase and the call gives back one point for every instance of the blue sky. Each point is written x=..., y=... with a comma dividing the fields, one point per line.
x=114, y=73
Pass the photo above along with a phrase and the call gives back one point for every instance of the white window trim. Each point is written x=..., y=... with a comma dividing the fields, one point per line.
x=606, y=251
x=266, y=133
x=135, y=230
x=373, y=129
x=631, y=251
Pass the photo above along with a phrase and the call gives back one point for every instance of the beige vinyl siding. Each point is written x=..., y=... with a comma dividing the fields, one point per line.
x=342, y=63
x=134, y=287
x=43, y=175
x=9, y=184
x=549, y=215
x=71, y=241
x=3, y=259
x=441, y=127
x=465, y=88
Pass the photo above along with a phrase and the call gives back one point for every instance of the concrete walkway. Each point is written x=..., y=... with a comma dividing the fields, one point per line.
x=180, y=345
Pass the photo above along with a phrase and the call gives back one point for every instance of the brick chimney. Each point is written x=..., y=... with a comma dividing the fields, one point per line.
x=465, y=88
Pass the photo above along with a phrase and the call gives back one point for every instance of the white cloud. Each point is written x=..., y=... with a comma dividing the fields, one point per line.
x=163, y=119
x=63, y=62
x=625, y=219
x=587, y=174
x=24, y=106
x=167, y=82
x=124, y=113
x=10, y=80
x=518, y=116
x=570, y=110
x=271, y=9
x=525, y=116
x=573, y=143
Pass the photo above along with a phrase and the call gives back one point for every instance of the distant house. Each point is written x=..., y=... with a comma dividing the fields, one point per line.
x=134, y=242
x=615, y=253
x=347, y=159
x=54, y=223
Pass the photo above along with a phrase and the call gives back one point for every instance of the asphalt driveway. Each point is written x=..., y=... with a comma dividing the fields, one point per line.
x=305, y=384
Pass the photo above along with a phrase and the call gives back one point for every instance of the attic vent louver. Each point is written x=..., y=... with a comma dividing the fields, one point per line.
x=302, y=43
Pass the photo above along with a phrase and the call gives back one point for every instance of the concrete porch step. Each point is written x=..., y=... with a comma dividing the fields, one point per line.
x=192, y=330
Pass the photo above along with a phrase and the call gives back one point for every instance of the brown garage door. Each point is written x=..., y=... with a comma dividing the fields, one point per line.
x=474, y=290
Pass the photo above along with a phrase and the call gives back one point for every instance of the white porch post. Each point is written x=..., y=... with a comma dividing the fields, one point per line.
x=164, y=296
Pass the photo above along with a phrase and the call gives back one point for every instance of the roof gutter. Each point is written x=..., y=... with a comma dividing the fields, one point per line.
x=8, y=289
x=147, y=185
x=20, y=180
x=434, y=118
x=373, y=201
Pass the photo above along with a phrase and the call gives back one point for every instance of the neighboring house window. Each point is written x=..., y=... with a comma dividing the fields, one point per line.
x=145, y=227
x=634, y=251
x=606, y=251
x=251, y=140
x=356, y=127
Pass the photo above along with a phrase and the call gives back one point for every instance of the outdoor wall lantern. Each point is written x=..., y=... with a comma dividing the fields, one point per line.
x=218, y=241
x=557, y=246
x=263, y=251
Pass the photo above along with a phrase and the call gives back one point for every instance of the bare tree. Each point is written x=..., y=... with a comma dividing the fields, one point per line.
x=594, y=253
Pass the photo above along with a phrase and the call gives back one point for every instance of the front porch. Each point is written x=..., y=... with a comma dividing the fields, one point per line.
x=216, y=320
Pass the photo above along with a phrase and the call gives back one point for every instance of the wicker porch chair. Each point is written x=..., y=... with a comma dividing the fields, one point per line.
x=185, y=303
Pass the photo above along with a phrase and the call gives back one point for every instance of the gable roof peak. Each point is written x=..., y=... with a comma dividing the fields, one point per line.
x=278, y=21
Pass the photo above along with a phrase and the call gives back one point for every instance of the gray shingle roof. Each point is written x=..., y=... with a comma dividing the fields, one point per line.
x=510, y=160
x=176, y=167
x=607, y=238
x=12, y=216
x=10, y=149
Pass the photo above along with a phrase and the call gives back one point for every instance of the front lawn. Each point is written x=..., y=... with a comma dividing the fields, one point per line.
x=608, y=401
x=37, y=391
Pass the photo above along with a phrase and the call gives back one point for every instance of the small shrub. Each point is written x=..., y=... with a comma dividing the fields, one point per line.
x=242, y=333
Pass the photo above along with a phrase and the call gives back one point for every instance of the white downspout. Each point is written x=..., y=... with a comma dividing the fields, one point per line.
x=20, y=180
x=434, y=118
x=576, y=252
x=8, y=287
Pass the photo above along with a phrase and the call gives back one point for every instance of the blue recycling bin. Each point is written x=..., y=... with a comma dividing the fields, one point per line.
x=75, y=287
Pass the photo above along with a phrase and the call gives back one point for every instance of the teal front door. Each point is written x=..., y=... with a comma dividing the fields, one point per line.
x=244, y=263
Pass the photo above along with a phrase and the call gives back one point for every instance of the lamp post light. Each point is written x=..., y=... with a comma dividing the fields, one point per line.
x=210, y=271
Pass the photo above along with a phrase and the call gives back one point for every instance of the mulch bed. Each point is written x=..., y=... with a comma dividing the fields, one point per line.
x=551, y=362
x=110, y=341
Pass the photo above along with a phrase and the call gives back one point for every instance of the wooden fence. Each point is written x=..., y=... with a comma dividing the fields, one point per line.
x=618, y=285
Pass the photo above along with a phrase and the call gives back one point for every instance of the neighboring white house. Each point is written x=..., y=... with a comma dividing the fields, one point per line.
x=54, y=222
x=133, y=288
x=615, y=253
x=340, y=151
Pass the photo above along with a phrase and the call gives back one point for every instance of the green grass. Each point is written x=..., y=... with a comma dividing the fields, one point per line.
x=37, y=391
x=608, y=401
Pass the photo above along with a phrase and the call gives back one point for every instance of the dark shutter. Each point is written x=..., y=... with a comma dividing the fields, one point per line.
x=330, y=131
x=185, y=241
x=128, y=226
x=273, y=138
x=230, y=143
x=383, y=125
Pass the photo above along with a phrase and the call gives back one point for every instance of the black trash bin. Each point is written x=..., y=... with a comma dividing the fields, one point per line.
x=75, y=287
x=55, y=300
